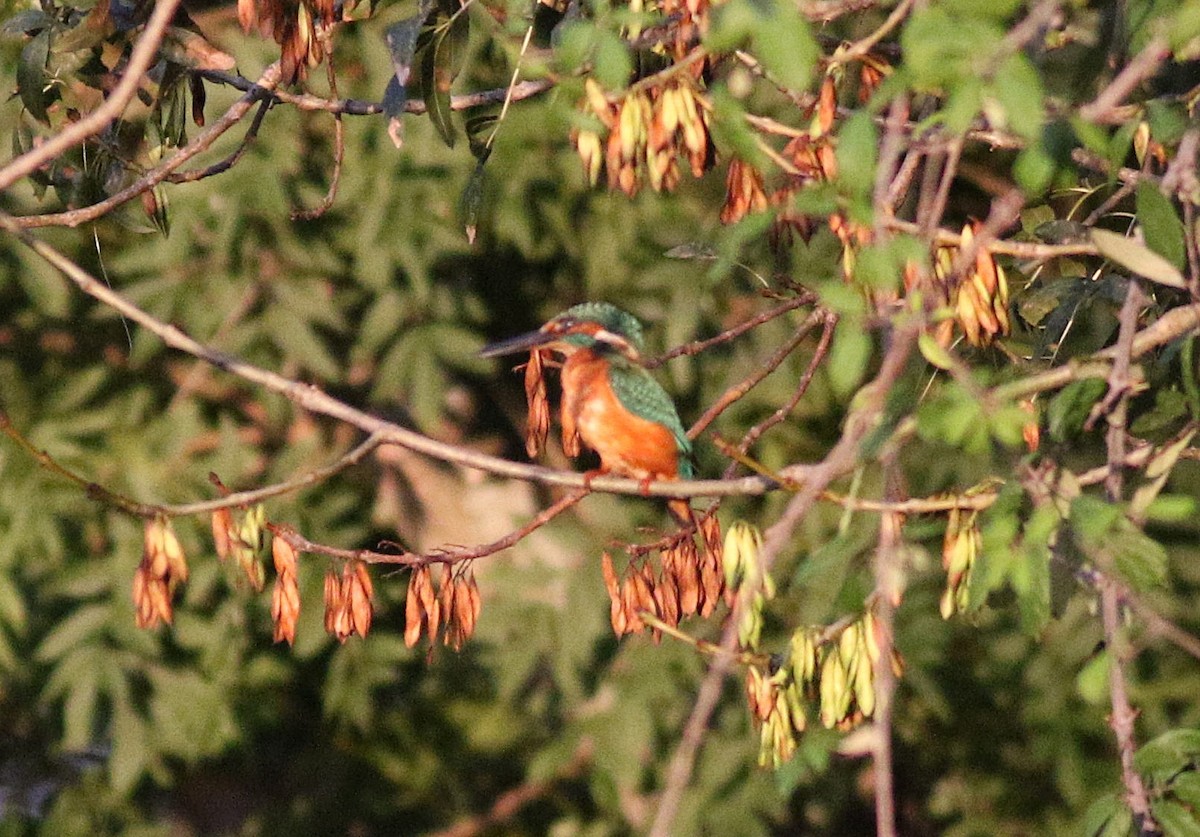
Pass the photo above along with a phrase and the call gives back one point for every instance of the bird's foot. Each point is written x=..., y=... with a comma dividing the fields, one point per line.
x=588, y=476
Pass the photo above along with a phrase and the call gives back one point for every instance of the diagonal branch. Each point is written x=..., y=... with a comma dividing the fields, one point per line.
x=839, y=460
x=236, y=111
x=139, y=61
x=310, y=397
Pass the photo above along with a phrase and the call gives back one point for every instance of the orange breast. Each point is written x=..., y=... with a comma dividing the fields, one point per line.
x=627, y=443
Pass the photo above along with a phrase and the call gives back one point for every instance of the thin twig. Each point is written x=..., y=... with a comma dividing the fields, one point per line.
x=1143, y=65
x=755, y=433
x=772, y=363
x=143, y=55
x=698, y=346
x=149, y=510
x=839, y=460
x=935, y=208
x=512, y=538
x=339, y=141
x=359, y=107
x=236, y=111
x=222, y=166
x=863, y=46
x=509, y=803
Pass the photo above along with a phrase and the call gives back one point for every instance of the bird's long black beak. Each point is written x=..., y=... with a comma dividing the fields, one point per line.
x=520, y=343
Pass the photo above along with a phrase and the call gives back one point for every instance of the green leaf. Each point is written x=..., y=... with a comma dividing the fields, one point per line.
x=1156, y=472
x=1017, y=91
x=938, y=60
x=441, y=64
x=130, y=749
x=1106, y=810
x=31, y=75
x=1169, y=753
x=848, y=358
x=401, y=38
x=1174, y=819
x=785, y=44
x=1092, y=681
x=1034, y=169
x=613, y=64
x=1137, y=258
x=857, y=144
x=1161, y=226
x=75, y=630
x=782, y=38
x=1186, y=787
x=472, y=200
x=934, y=353
x=25, y=22
x=1070, y=408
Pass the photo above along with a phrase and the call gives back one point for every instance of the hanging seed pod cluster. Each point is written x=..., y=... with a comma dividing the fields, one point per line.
x=688, y=582
x=644, y=135
x=454, y=608
x=163, y=568
x=348, y=596
x=294, y=26
x=960, y=548
x=833, y=675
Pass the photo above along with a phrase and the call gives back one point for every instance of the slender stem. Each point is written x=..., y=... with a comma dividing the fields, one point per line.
x=144, y=53
x=772, y=363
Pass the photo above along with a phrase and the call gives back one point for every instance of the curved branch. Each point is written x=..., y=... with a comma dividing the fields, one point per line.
x=360, y=107
x=312, y=398
x=75, y=217
x=841, y=458
x=139, y=61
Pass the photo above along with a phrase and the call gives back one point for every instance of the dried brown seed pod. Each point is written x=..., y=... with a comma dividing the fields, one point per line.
x=357, y=582
x=631, y=604
x=537, y=422
x=413, y=615
x=689, y=578
x=285, y=596
x=222, y=525
x=666, y=597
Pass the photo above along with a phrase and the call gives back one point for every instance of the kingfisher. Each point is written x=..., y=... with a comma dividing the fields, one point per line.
x=609, y=399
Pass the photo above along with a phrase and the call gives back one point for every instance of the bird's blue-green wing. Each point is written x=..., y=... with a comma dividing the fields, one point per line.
x=639, y=393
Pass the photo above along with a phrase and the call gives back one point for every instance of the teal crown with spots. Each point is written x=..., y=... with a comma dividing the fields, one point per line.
x=611, y=317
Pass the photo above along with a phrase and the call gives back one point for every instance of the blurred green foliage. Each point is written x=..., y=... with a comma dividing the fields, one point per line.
x=206, y=728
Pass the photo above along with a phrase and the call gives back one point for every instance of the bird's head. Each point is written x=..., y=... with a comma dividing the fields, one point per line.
x=598, y=326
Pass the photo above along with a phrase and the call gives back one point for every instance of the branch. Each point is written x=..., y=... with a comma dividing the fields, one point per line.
x=75, y=217
x=1174, y=324
x=887, y=569
x=1122, y=717
x=74, y=133
x=359, y=107
x=1143, y=65
x=698, y=346
x=770, y=365
x=839, y=460
x=311, y=398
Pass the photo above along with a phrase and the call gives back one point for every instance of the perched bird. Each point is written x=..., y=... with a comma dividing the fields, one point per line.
x=609, y=399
